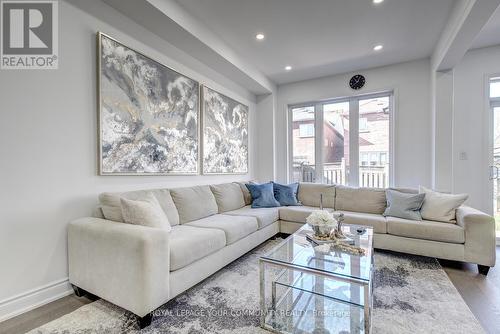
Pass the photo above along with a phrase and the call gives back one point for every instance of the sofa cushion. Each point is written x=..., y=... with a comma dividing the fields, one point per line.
x=367, y=200
x=425, y=229
x=262, y=195
x=309, y=194
x=378, y=222
x=111, y=207
x=286, y=194
x=235, y=227
x=194, y=203
x=265, y=216
x=440, y=206
x=246, y=193
x=404, y=190
x=188, y=244
x=403, y=205
x=146, y=212
x=297, y=214
x=228, y=196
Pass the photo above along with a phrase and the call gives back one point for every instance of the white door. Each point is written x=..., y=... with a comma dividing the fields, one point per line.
x=495, y=167
x=494, y=93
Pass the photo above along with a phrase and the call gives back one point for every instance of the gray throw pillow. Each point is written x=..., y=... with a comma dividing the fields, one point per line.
x=403, y=205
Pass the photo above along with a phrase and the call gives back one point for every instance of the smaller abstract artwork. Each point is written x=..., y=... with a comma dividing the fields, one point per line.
x=225, y=134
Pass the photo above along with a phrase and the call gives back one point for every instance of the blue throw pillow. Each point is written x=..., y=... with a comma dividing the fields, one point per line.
x=403, y=205
x=262, y=195
x=286, y=194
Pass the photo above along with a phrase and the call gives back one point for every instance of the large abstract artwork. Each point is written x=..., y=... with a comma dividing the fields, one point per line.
x=148, y=114
x=225, y=134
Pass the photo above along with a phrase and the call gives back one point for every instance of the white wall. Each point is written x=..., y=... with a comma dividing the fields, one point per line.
x=442, y=144
x=412, y=126
x=266, y=164
x=48, y=149
x=471, y=132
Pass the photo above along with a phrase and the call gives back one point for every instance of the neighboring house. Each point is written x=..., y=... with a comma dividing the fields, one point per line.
x=373, y=133
x=374, y=138
x=304, y=138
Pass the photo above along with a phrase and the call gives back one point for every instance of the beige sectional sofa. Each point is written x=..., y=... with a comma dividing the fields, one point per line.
x=140, y=268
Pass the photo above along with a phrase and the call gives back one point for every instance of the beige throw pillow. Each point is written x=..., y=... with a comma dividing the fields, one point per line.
x=146, y=212
x=228, y=196
x=439, y=206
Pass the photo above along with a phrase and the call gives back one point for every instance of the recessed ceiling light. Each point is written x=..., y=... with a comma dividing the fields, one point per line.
x=378, y=47
x=260, y=36
x=288, y=68
x=377, y=1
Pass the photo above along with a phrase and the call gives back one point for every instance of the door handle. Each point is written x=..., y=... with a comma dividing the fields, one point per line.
x=493, y=172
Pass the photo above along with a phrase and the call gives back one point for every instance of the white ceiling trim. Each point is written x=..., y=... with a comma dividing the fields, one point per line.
x=465, y=23
x=178, y=14
x=169, y=21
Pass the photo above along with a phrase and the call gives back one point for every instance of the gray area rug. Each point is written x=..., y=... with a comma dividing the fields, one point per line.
x=412, y=294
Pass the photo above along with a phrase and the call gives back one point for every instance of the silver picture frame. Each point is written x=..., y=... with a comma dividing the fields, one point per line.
x=203, y=124
x=100, y=169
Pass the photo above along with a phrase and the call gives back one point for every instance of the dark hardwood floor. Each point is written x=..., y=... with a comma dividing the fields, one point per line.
x=481, y=293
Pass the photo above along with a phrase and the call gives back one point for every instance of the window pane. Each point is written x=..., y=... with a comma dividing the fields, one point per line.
x=303, y=136
x=495, y=88
x=374, y=142
x=496, y=163
x=306, y=130
x=336, y=148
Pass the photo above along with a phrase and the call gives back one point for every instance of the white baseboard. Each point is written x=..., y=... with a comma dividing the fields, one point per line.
x=32, y=299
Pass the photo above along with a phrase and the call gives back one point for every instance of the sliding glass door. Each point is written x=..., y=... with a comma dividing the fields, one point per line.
x=304, y=141
x=335, y=143
x=343, y=141
x=495, y=149
x=374, y=148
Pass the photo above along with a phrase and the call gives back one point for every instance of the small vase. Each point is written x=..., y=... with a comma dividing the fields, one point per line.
x=322, y=231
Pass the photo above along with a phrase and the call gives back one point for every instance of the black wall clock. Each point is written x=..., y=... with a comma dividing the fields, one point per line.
x=357, y=82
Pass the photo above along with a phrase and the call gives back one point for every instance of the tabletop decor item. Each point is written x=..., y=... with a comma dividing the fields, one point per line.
x=346, y=247
x=337, y=232
x=322, y=223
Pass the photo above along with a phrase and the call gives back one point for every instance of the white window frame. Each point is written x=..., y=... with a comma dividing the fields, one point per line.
x=354, y=132
x=493, y=102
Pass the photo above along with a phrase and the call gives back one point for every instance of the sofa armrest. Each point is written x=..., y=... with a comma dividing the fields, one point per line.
x=125, y=264
x=480, y=238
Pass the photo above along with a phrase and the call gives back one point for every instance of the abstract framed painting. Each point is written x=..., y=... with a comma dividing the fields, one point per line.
x=149, y=114
x=225, y=134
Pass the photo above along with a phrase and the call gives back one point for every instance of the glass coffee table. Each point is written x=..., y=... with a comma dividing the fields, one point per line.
x=313, y=289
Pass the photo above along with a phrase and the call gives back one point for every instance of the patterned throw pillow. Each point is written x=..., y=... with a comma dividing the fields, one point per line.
x=286, y=194
x=262, y=195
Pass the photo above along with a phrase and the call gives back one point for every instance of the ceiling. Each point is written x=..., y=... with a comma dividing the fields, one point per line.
x=323, y=37
x=490, y=34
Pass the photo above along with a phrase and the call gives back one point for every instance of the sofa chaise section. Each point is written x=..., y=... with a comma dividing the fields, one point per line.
x=121, y=263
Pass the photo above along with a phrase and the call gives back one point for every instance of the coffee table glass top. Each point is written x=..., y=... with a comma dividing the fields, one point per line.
x=298, y=251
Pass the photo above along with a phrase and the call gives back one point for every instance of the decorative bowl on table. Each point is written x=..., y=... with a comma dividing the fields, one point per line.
x=322, y=223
